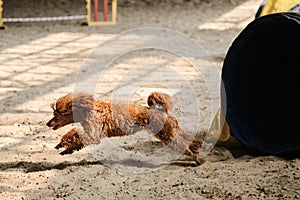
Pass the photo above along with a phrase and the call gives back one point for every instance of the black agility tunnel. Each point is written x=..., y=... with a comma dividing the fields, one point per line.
x=261, y=81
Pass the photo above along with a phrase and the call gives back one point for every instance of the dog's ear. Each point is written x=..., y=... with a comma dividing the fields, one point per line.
x=52, y=106
x=83, y=101
x=63, y=105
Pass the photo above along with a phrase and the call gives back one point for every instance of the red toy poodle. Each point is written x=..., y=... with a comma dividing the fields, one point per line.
x=109, y=119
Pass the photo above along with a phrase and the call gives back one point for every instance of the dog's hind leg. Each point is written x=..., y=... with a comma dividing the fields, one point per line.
x=180, y=141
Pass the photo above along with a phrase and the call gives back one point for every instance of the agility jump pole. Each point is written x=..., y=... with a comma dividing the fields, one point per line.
x=105, y=5
x=105, y=11
x=105, y=21
x=75, y=17
x=95, y=10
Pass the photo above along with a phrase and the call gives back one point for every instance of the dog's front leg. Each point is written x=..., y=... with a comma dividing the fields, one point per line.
x=71, y=141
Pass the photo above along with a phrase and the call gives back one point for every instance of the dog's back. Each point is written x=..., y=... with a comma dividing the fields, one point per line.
x=121, y=118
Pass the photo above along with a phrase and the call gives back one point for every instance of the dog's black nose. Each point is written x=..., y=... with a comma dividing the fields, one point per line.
x=49, y=124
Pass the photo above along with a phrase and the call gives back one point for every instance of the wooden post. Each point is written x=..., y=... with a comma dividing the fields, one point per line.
x=114, y=11
x=1, y=20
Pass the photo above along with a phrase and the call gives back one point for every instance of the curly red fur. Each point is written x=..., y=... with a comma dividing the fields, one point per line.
x=109, y=119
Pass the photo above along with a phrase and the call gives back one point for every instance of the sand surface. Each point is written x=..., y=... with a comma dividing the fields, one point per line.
x=42, y=61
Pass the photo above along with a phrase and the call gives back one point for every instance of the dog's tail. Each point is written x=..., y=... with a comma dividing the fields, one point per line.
x=161, y=101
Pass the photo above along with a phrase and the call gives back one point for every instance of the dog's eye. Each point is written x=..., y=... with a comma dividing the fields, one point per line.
x=56, y=112
x=61, y=112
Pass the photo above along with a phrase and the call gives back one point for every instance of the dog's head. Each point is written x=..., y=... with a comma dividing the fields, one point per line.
x=70, y=107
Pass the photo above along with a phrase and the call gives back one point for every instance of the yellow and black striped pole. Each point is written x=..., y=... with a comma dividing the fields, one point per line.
x=1, y=20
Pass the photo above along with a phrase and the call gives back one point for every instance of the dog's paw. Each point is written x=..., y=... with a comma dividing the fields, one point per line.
x=67, y=151
x=199, y=160
x=58, y=146
x=71, y=142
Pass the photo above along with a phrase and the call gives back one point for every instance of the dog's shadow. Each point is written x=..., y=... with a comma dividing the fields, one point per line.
x=147, y=165
x=143, y=147
x=29, y=167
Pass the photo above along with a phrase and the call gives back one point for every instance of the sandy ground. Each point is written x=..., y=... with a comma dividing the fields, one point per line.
x=40, y=62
